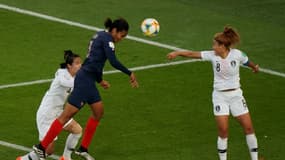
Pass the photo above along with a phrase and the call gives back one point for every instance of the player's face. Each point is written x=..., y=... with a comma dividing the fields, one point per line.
x=118, y=36
x=218, y=48
x=75, y=66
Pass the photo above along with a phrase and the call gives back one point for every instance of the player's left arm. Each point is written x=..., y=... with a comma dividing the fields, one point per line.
x=253, y=66
x=110, y=54
x=109, y=49
x=246, y=62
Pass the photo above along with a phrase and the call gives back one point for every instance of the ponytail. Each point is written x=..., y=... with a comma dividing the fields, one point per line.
x=120, y=24
x=108, y=23
x=229, y=37
x=69, y=57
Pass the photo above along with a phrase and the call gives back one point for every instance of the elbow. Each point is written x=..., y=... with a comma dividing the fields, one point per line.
x=114, y=64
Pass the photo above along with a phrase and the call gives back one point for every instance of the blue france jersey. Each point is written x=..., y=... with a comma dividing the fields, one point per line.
x=101, y=48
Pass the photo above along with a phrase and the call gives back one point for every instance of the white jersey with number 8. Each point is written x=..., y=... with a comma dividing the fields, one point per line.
x=226, y=71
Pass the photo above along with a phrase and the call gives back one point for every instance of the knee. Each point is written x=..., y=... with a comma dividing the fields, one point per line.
x=98, y=116
x=223, y=132
x=248, y=130
x=98, y=111
x=77, y=129
x=64, y=118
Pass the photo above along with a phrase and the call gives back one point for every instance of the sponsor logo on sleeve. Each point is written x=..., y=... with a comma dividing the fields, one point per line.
x=111, y=45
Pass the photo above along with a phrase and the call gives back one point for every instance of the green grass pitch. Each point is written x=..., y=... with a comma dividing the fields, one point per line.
x=170, y=116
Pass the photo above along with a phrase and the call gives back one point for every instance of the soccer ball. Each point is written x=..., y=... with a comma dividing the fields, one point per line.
x=150, y=27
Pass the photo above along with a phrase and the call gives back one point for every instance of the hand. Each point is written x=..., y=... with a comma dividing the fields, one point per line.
x=133, y=81
x=255, y=69
x=105, y=84
x=171, y=55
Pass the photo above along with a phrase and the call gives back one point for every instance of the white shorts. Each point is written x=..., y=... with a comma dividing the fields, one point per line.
x=228, y=102
x=44, y=121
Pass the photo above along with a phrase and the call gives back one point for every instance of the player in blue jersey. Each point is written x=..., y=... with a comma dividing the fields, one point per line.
x=101, y=49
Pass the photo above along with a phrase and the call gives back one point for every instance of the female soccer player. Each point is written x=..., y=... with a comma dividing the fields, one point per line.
x=101, y=48
x=227, y=96
x=52, y=106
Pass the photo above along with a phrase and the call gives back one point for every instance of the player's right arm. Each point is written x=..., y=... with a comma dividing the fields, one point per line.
x=190, y=54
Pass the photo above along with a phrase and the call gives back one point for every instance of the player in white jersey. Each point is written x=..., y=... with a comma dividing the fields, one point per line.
x=227, y=96
x=52, y=106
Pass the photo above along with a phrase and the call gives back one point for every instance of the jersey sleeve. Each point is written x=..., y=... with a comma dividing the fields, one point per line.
x=65, y=79
x=207, y=55
x=109, y=49
x=243, y=58
x=98, y=77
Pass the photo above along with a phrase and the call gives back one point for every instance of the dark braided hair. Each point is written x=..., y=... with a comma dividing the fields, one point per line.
x=69, y=57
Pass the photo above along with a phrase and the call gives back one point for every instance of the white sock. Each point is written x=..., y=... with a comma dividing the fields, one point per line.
x=30, y=156
x=71, y=143
x=222, y=145
x=252, y=146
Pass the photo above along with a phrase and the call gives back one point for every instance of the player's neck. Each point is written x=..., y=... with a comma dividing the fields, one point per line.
x=71, y=73
x=224, y=54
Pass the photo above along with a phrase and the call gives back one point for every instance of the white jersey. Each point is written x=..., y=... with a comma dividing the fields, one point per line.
x=226, y=71
x=53, y=102
x=54, y=99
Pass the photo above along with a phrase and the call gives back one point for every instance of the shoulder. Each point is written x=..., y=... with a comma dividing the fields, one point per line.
x=238, y=53
x=104, y=35
x=101, y=36
x=208, y=54
x=62, y=72
x=235, y=51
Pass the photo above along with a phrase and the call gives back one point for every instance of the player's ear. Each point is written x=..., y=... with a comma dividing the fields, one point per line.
x=68, y=66
x=114, y=30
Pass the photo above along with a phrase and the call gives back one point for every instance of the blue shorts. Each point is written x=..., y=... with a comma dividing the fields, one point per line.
x=84, y=90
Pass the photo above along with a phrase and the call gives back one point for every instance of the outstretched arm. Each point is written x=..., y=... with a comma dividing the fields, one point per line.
x=190, y=54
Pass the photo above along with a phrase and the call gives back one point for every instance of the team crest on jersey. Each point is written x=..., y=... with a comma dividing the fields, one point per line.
x=111, y=45
x=217, y=108
x=233, y=64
